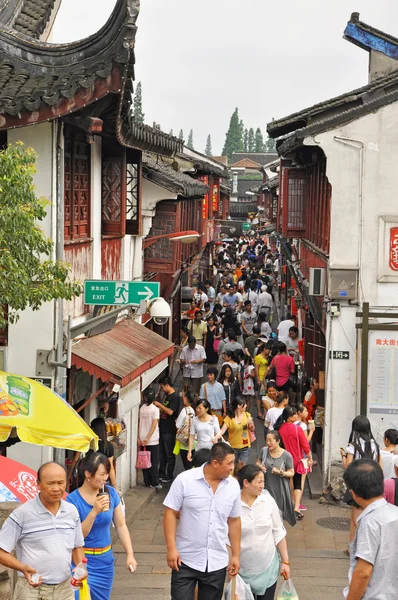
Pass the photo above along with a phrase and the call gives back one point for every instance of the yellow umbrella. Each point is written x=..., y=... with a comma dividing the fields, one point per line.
x=40, y=416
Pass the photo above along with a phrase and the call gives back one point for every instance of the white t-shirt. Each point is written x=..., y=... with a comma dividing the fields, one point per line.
x=186, y=412
x=273, y=415
x=283, y=330
x=352, y=450
x=303, y=425
x=387, y=459
x=147, y=416
x=204, y=431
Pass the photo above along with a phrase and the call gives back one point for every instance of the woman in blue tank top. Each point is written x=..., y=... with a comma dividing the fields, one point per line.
x=97, y=511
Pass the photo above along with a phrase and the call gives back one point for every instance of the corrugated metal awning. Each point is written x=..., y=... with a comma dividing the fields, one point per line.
x=122, y=354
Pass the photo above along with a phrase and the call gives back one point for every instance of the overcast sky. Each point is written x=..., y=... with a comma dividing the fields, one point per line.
x=199, y=60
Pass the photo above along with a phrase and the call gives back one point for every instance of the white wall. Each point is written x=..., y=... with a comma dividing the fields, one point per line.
x=35, y=329
x=362, y=169
x=130, y=398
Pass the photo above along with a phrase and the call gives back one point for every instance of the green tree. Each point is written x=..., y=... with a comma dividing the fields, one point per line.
x=258, y=141
x=139, y=116
x=208, y=150
x=270, y=145
x=190, y=140
x=250, y=140
x=181, y=135
x=245, y=140
x=29, y=278
x=234, y=136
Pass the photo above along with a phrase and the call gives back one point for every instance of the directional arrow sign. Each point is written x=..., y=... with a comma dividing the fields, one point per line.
x=340, y=355
x=119, y=292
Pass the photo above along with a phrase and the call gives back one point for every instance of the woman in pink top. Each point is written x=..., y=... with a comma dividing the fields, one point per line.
x=391, y=486
x=284, y=367
x=295, y=442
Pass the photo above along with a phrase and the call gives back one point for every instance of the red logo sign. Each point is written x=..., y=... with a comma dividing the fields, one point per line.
x=394, y=248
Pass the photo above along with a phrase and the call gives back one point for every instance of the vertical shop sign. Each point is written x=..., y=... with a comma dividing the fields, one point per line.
x=394, y=248
x=205, y=203
x=216, y=197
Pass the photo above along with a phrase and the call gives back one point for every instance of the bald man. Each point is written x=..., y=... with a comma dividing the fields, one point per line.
x=47, y=535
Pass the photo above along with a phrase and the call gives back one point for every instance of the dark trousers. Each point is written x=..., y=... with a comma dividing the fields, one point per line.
x=187, y=465
x=167, y=459
x=151, y=476
x=269, y=594
x=210, y=585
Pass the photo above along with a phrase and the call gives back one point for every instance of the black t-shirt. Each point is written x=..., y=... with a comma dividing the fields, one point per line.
x=167, y=422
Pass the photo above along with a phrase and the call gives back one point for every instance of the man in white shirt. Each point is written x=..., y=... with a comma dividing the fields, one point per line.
x=47, y=535
x=192, y=359
x=265, y=302
x=248, y=319
x=283, y=328
x=211, y=294
x=221, y=295
x=202, y=510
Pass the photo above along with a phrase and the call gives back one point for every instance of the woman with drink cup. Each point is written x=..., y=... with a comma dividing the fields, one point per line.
x=308, y=427
x=98, y=505
x=277, y=466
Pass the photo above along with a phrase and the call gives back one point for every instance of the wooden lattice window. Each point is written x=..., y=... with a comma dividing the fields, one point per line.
x=114, y=191
x=77, y=186
x=295, y=214
x=133, y=197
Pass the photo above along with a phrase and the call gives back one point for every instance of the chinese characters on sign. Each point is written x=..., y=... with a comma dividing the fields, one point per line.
x=383, y=373
x=216, y=195
x=394, y=248
x=205, y=203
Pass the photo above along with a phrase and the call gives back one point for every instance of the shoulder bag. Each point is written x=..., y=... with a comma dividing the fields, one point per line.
x=182, y=435
x=252, y=434
x=302, y=466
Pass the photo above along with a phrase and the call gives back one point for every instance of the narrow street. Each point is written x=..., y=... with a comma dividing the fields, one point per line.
x=319, y=567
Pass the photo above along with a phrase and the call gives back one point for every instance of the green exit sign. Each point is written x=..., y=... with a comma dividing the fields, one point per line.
x=99, y=292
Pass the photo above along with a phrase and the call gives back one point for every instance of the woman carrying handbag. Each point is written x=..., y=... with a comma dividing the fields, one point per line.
x=148, y=440
x=183, y=425
x=295, y=442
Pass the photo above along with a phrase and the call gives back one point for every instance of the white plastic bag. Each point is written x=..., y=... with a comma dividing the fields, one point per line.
x=287, y=591
x=237, y=589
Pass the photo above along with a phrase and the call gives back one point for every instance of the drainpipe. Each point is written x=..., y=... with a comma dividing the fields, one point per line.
x=59, y=453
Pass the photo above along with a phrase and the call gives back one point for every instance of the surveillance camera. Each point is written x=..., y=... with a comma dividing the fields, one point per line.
x=160, y=311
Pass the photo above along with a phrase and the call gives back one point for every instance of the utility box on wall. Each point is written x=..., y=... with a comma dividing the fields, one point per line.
x=343, y=284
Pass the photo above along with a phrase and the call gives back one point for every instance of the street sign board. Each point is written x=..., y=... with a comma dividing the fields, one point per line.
x=340, y=355
x=117, y=293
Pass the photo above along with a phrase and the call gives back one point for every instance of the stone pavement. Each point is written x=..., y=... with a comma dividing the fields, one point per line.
x=319, y=567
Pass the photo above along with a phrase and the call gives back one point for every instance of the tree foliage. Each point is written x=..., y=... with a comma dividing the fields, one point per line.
x=181, y=135
x=190, y=140
x=245, y=141
x=234, y=135
x=208, y=150
x=258, y=141
x=139, y=116
x=28, y=276
x=270, y=145
x=250, y=140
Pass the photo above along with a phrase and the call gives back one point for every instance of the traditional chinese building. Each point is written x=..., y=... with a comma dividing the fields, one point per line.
x=71, y=103
x=338, y=217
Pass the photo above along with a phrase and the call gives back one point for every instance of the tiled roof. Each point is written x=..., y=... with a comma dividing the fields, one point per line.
x=29, y=17
x=367, y=29
x=176, y=182
x=223, y=160
x=204, y=164
x=334, y=112
x=246, y=163
x=33, y=17
x=247, y=185
x=262, y=158
x=40, y=81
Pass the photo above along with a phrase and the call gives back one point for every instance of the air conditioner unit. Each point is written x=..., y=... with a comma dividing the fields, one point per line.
x=317, y=282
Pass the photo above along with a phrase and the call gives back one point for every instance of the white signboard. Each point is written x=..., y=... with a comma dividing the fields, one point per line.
x=383, y=380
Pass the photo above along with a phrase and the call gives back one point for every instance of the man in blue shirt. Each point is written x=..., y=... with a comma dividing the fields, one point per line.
x=214, y=392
